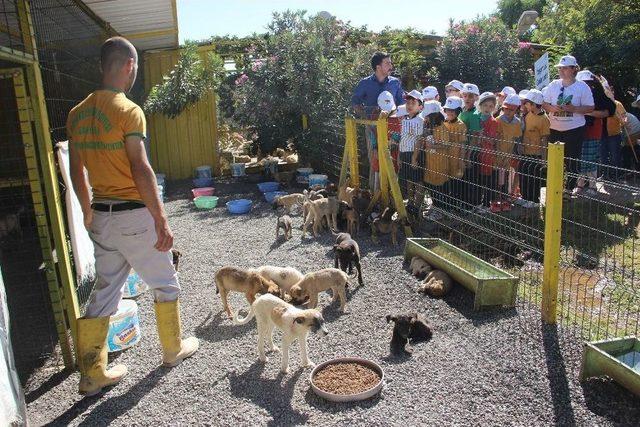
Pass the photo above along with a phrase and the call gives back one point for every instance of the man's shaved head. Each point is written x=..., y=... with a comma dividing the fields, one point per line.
x=115, y=52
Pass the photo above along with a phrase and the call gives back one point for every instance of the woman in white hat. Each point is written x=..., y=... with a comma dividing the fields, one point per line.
x=567, y=100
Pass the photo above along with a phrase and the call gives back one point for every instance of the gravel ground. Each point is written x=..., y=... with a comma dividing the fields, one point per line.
x=490, y=368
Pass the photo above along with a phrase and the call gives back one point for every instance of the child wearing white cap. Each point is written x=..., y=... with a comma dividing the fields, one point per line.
x=430, y=93
x=509, y=134
x=534, y=147
x=436, y=163
x=469, y=116
x=453, y=133
x=412, y=129
x=487, y=157
x=453, y=88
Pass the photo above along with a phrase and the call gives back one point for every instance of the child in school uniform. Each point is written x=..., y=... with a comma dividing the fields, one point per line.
x=412, y=129
x=487, y=156
x=453, y=134
x=388, y=108
x=509, y=134
x=432, y=115
x=534, y=147
x=469, y=191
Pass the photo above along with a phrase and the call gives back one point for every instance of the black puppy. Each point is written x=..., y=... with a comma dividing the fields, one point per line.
x=412, y=327
x=347, y=254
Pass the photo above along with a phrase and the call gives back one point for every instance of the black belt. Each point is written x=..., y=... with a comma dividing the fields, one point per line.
x=126, y=206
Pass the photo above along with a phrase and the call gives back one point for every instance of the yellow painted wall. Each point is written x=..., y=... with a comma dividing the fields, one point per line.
x=178, y=146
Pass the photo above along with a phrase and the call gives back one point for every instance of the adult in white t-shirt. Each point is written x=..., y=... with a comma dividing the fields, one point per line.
x=567, y=100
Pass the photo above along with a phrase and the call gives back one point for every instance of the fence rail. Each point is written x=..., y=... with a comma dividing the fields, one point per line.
x=576, y=253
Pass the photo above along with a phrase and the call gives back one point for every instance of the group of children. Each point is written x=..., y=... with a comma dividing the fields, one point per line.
x=481, y=151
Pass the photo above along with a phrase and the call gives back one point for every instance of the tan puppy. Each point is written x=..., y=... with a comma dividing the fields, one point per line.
x=318, y=281
x=284, y=277
x=387, y=223
x=284, y=222
x=319, y=209
x=419, y=267
x=271, y=312
x=437, y=284
x=353, y=221
x=289, y=202
x=346, y=194
x=249, y=283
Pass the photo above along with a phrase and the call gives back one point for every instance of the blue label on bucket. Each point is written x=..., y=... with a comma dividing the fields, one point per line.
x=123, y=333
x=134, y=285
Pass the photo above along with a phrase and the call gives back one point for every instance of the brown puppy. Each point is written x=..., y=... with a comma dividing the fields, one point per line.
x=176, y=255
x=353, y=221
x=284, y=222
x=318, y=281
x=385, y=224
x=319, y=209
x=347, y=255
x=419, y=267
x=289, y=202
x=437, y=284
x=248, y=282
x=346, y=193
x=361, y=202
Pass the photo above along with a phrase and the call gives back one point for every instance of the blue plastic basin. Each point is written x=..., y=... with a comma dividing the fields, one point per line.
x=240, y=206
x=269, y=187
x=271, y=195
x=203, y=182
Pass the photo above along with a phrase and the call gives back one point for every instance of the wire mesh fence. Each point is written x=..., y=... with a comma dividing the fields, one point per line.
x=487, y=195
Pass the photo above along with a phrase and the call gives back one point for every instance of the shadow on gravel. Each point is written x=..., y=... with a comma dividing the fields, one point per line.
x=461, y=300
x=557, y=375
x=211, y=329
x=110, y=409
x=53, y=381
x=271, y=394
x=608, y=399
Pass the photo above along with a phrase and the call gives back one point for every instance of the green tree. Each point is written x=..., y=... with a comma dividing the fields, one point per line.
x=604, y=35
x=485, y=52
x=509, y=11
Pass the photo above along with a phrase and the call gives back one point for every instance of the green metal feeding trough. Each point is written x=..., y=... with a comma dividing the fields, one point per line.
x=492, y=287
x=617, y=358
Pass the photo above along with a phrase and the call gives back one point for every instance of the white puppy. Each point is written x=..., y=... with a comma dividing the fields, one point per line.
x=295, y=324
x=284, y=277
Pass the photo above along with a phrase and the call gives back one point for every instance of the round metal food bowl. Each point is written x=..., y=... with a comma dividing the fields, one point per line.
x=349, y=397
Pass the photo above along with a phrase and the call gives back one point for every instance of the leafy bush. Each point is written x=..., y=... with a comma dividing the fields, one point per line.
x=485, y=52
x=189, y=81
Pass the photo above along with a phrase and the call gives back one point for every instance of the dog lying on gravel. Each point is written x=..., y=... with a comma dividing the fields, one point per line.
x=319, y=209
x=271, y=312
x=419, y=267
x=318, y=281
x=284, y=277
x=437, y=284
x=347, y=255
x=284, y=222
x=412, y=327
x=249, y=283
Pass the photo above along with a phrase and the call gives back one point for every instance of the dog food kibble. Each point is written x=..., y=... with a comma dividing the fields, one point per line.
x=346, y=378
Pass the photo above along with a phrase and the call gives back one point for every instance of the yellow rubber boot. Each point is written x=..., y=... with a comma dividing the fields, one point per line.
x=174, y=348
x=92, y=357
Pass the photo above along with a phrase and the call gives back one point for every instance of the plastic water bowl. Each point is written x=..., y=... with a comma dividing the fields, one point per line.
x=320, y=180
x=124, y=326
x=271, y=195
x=348, y=397
x=240, y=206
x=134, y=286
x=238, y=169
x=204, y=191
x=269, y=187
x=206, y=202
x=202, y=182
x=305, y=172
x=203, y=172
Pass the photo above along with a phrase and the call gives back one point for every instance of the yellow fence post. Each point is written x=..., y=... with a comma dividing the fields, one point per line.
x=552, y=231
x=381, y=137
x=351, y=148
x=388, y=173
x=344, y=167
x=305, y=122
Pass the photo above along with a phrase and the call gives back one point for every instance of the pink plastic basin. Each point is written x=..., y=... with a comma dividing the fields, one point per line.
x=204, y=191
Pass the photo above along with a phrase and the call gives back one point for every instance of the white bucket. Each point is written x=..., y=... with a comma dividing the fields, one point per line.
x=124, y=327
x=203, y=172
x=134, y=286
x=316, y=179
x=161, y=192
x=237, y=169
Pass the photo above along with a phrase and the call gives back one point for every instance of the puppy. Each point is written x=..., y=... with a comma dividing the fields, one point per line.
x=284, y=277
x=319, y=209
x=271, y=312
x=284, y=222
x=412, y=327
x=353, y=221
x=419, y=267
x=316, y=282
x=385, y=224
x=346, y=193
x=342, y=208
x=10, y=224
x=289, y=202
x=315, y=194
x=347, y=254
x=175, y=255
x=249, y=283
x=361, y=201
x=437, y=284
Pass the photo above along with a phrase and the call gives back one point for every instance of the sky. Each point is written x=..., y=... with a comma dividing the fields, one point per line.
x=201, y=19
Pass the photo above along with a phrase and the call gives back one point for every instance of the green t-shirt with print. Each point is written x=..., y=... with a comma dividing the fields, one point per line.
x=471, y=118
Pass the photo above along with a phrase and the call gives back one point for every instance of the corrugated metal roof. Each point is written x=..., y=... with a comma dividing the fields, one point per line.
x=149, y=24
